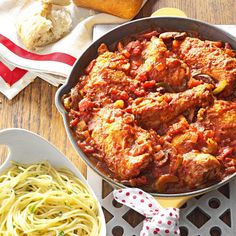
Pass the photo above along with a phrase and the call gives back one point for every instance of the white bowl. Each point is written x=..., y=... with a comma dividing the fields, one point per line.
x=28, y=148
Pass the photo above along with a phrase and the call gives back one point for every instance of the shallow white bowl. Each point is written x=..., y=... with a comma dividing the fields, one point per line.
x=28, y=148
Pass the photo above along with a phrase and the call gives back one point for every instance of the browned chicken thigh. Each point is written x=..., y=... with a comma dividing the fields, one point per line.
x=207, y=146
x=160, y=65
x=107, y=80
x=126, y=148
x=207, y=58
x=220, y=121
x=221, y=118
x=156, y=109
x=199, y=170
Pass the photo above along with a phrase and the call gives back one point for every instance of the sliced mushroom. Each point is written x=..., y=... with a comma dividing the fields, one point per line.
x=168, y=36
x=205, y=78
x=161, y=183
x=147, y=35
x=164, y=86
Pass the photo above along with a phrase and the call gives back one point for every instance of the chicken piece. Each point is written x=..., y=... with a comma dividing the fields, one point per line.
x=199, y=170
x=111, y=60
x=163, y=168
x=155, y=49
x=206, y=58
x=106, y=79
x=127, y=149
x=214, y=130
x=161, y=67
x=107, y=85
x=186, y=141
x=156, y=109
x=221, y=118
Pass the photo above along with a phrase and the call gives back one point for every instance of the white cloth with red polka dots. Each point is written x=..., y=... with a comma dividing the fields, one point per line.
x=159, y=221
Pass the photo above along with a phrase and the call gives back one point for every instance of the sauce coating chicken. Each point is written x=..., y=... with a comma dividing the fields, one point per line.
x=160, y=65
x=126, y=148
x=206, y=57
x=156, y=109
x=198, y=169
x=159, y=112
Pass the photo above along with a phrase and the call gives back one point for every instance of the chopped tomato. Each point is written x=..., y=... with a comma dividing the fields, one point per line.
x=194, y=83
x=74, y=122
x=85, y=105
x=149, y=84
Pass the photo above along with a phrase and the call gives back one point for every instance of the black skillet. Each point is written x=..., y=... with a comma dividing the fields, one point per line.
x=205, y=31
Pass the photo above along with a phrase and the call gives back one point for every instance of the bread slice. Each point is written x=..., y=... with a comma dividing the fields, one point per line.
x=123, y=8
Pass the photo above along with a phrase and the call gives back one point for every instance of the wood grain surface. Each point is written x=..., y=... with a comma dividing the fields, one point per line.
x=34, y=107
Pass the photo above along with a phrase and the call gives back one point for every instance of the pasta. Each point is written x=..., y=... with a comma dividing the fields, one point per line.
x=40, y=200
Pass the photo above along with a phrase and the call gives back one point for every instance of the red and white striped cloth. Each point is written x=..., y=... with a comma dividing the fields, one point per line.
x=13, y=79
x=19, y=67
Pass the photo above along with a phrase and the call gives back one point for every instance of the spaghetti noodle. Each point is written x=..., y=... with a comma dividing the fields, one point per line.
x=40, y=200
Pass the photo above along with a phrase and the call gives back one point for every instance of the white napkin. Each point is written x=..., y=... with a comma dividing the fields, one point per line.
x=47, y=68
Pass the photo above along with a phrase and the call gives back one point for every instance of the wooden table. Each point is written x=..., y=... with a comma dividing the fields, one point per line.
x=34, y=108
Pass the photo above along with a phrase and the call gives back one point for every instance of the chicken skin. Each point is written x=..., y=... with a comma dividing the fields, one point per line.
x=206, y=58
x=161, y=66
x=107, y=80
x=127, y=149
x=155, y=109
x=221, y=118
x=199, y=169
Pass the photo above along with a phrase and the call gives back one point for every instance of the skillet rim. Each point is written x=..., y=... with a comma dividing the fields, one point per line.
x=68, y=85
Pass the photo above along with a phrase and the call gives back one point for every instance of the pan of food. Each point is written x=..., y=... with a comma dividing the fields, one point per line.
x=151, y=104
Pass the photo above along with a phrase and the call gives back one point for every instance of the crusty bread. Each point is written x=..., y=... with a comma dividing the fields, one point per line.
x=123, y=8
x=58, y=2
x=41, y=24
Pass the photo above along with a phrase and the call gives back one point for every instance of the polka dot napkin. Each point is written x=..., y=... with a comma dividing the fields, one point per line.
x=159, y=220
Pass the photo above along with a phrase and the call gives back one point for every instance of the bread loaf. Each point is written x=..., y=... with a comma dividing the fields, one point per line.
x=123, y=8
x=41, y=24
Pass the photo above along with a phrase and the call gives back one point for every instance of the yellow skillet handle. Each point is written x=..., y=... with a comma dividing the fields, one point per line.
x=168, y=11
x=176, y=202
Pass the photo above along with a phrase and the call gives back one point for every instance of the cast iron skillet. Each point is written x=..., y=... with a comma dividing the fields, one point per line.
x=206, y=31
